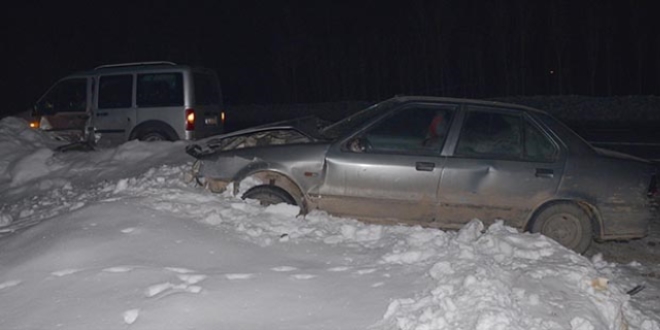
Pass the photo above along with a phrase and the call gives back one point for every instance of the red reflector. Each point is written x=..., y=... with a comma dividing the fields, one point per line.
x=190, y=119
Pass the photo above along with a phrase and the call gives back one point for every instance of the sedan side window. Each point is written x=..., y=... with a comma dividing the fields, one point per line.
x=537, y=146
x=491, y=135
x=417, y=129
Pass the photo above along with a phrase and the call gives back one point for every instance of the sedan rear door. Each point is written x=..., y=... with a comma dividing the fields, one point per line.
x=502, y=166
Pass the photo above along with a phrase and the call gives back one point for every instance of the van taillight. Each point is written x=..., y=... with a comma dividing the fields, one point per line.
x=190, y=119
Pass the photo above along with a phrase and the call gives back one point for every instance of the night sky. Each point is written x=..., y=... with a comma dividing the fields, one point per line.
x=322, y=51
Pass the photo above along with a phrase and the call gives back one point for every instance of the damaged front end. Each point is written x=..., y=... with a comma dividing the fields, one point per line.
x=223, y=159
x=301, y=130
x=247, y=140
x=223, y=171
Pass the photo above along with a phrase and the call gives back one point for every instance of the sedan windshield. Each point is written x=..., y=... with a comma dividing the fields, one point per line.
x=353, y=122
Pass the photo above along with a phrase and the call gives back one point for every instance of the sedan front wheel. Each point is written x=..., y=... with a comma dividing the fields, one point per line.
x=566, y=223
x=269, y=195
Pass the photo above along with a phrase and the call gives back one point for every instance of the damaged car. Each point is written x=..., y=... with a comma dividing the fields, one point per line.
x=439, y=162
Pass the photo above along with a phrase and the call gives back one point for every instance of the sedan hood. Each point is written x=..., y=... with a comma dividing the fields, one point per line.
x=299, y=130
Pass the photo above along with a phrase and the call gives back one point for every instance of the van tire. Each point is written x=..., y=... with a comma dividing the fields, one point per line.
x=154, y=132
x=153, y=136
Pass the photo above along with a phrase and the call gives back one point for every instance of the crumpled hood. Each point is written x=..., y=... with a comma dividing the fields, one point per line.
x=298, y=130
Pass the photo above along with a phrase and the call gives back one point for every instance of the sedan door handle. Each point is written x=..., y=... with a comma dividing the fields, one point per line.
x=424, y=166
x=544, y=173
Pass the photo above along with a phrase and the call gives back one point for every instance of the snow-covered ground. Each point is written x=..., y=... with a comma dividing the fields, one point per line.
x=118, y=239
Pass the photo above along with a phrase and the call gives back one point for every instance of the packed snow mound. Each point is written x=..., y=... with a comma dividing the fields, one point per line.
x=29, y=164
x=18, y=142
x=501, y=279
x=118, y=238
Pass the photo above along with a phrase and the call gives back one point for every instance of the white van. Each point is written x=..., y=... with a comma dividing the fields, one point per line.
x=148, y=101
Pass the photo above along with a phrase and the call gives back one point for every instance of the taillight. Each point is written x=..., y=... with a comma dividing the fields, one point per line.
x=34, y=124
x=222, y=117
x=190, y=119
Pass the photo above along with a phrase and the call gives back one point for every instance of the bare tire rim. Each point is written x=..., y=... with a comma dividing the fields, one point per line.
x=563, y=228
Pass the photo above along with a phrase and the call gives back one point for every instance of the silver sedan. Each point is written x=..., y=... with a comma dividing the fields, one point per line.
x=440, y=162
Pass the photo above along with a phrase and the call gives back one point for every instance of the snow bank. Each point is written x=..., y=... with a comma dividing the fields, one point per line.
x=501, y=279
x=18, y=143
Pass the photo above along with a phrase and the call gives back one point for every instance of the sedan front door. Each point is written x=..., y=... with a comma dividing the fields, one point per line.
x=391, y=170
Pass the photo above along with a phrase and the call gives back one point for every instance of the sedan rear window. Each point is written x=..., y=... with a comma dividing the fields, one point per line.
x=491, y=135
x=503, y=135
x=537, y=146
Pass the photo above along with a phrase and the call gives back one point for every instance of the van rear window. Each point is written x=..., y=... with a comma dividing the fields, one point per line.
x=159, y=90
x=207, y=91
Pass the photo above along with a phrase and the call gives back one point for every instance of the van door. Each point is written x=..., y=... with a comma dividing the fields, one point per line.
x=160, y=103
x=64, y=109
x=115, y=110
x=207, y=105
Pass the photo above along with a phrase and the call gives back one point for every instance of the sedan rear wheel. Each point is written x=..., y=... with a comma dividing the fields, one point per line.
x=568, y=224
x=269, y=195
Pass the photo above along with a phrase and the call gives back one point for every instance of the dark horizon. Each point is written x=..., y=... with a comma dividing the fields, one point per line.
x=322, y=51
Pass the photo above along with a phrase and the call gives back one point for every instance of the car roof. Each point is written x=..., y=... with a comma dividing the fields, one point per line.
x=437, y=99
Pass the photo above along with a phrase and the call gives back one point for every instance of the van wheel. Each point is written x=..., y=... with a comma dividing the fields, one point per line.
x=269, y=195
x=566, y=223
x=153, y=132
x=153, y=136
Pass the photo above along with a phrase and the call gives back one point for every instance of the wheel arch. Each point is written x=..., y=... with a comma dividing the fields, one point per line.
x=278, y=179
x=154, y=125
x=591, y=210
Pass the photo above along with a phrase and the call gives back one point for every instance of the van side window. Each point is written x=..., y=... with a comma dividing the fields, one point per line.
x=67, y=96
x=159, y=90
x=115, y=91
x=206, y=89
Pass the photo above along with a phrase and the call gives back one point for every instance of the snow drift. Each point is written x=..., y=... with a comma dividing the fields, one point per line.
x=116, y=238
